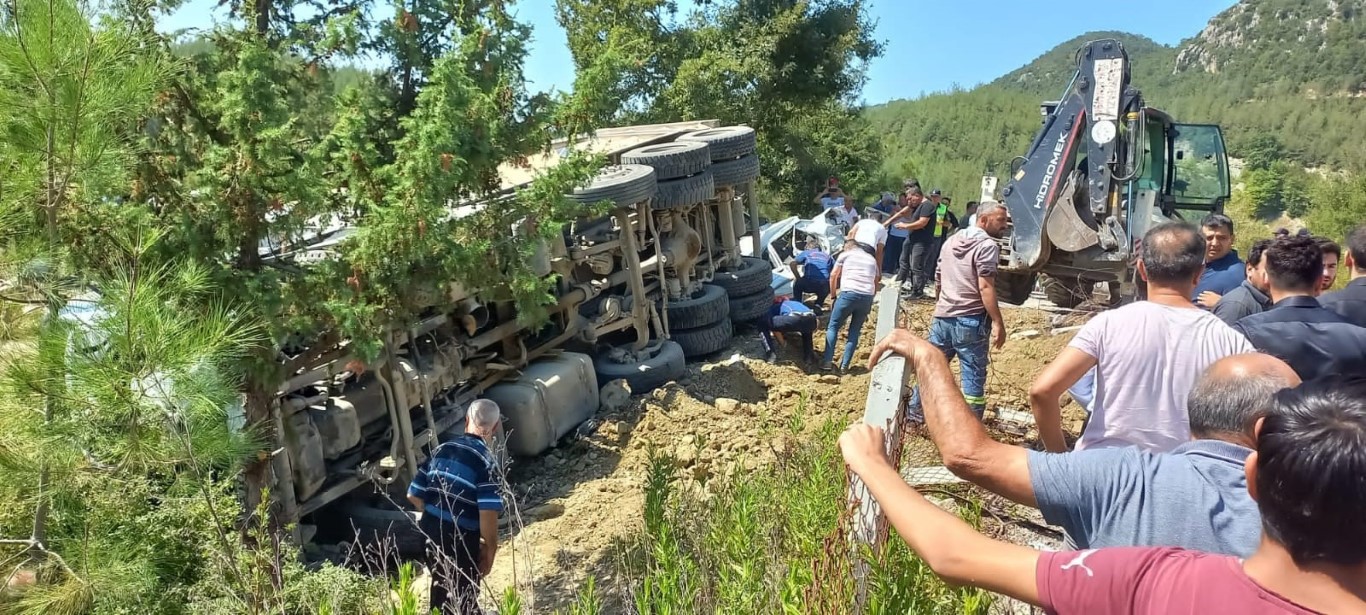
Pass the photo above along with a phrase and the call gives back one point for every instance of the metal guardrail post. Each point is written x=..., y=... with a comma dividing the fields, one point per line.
x=888, y=392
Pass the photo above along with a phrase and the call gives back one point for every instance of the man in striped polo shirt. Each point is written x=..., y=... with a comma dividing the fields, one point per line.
x=457, y=492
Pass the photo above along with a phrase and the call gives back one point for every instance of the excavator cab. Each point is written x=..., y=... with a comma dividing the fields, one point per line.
x=1183, y=175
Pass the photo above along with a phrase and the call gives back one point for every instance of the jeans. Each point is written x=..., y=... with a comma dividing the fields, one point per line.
x=968, y=338
x=818, y=286
x=891, y=254
x=804, y=325
x=853, y=307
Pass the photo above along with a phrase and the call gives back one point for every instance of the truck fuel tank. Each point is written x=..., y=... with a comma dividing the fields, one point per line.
x=552, y=397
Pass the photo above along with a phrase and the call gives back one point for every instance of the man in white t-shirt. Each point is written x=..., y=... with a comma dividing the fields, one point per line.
x=857, y=278
x=1147, y=355
x=870, y=235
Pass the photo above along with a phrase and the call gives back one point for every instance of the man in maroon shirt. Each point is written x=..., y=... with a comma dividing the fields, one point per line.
x=1306, y=475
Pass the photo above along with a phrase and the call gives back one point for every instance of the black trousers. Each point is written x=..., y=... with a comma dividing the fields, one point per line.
x=932, y=259
x=804, y=325
x=453, y=560
x=803, y=285
x=913, y=256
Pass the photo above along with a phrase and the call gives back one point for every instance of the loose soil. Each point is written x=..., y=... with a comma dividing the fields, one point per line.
x=578, y=503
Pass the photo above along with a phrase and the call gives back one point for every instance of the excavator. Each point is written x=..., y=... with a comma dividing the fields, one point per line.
x=1103, y=168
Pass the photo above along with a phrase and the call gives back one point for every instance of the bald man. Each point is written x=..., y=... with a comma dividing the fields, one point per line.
x=1194, y=496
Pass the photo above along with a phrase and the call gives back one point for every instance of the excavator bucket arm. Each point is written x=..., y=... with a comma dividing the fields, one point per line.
x=1085, y=120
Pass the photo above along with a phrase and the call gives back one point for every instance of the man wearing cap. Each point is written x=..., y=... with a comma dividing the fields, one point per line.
x=787, y=316
x=833, y=196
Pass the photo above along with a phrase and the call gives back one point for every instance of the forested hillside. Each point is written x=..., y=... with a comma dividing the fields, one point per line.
x=1285, y=78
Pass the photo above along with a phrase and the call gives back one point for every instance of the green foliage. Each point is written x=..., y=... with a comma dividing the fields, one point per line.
x=239, y=167
x=406, y=591
x=69, y=97
x=789, y=69
x=1338, y=206
x=771, y=541
x=115, y=441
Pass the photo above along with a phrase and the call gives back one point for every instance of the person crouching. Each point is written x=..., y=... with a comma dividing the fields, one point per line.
x=788, y=316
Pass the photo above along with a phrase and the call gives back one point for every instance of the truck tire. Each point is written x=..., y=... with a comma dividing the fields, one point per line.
x=624, y=185
x=389, y=526
x=746, y=308
x=703, y=341
x=753, y=276
x=1014, y=288
x=705, y=308
x=664, y=365
x=735, y=172
x=726, y=142
x=671, y=160
x=1065, y=294
x=682, y=192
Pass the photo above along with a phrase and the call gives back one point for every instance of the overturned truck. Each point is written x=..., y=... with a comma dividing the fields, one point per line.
x=656, y=280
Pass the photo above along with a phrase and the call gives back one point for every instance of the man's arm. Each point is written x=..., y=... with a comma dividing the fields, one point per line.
x=1208, y=299
x=987, y=286
x=490, y=505
x=916, y=224
x=966, y=448
x=835, y=280
x=417, y=490
x=1047, y=390
x=956, y=552
x=488, y=532
x=895, y=216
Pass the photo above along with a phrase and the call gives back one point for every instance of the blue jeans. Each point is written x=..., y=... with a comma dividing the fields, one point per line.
x=968, y=338
x=853, y=307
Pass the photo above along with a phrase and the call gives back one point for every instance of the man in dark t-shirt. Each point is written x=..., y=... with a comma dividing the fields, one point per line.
x=915, y=253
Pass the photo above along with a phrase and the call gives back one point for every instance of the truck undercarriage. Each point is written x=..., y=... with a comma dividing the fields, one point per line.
x=657, y=279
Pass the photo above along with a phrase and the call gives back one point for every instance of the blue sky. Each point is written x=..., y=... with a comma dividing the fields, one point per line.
x=930, y=46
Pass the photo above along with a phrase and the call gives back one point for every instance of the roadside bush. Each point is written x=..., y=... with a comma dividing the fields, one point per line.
x=773, y=541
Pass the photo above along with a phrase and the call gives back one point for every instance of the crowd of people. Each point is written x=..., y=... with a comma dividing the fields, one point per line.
x=1222, y=464
x=899, y=239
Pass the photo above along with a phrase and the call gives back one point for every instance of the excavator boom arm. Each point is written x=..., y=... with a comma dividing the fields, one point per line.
x=1086, y=120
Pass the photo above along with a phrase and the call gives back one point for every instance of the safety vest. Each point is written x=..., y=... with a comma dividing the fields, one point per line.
x=941, y=219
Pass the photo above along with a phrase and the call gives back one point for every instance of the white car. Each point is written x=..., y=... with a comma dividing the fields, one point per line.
x=780, y=241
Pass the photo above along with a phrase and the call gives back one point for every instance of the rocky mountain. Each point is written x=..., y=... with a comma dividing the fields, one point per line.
x=1291, y=73
x=1316, y=42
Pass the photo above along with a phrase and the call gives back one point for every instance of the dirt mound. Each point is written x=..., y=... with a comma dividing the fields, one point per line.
x=578, y=502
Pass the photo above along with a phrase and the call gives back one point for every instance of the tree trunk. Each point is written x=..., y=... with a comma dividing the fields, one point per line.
x=260, y=420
